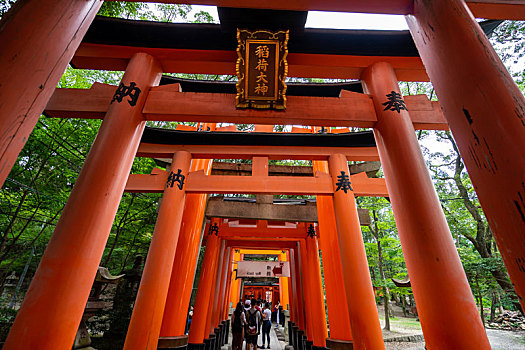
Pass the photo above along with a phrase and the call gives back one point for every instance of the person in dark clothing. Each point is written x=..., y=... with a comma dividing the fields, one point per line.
x=238, y=322
x=253, y=327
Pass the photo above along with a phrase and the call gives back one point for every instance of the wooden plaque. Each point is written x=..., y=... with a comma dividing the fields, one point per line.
x=261, y=69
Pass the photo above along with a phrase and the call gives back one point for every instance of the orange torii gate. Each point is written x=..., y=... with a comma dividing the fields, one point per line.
x=365, y=328
x=485, y=112
x=258, y=183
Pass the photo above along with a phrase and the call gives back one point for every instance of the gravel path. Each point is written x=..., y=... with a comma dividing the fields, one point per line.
x=499, y=340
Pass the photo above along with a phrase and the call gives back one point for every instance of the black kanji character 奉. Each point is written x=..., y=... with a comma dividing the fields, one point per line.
x=122, y=91
x=178, y=177
x=214, y=229
x=343, y=182
x=395, y=102
x=311, y=231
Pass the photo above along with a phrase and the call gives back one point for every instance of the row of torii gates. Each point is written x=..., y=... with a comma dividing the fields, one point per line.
x=481, y=104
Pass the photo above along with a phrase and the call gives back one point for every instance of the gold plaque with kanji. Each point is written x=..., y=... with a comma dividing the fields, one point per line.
x=261, y=69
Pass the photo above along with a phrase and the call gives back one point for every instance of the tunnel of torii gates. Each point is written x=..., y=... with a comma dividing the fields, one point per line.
x=480, y=104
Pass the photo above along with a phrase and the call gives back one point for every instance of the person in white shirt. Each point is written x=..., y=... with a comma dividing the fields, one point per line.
x=266, y=324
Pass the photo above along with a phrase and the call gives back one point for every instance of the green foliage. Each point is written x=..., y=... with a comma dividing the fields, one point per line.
x=5, y=5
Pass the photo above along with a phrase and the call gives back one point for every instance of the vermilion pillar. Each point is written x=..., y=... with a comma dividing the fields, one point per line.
x=211, y=302
x=333, y=271
x=228, y=289
x=38, y=40
x=452, y=320
x=199, y=328
x=316, y=307
x=183, y=272
x=298, y=297
x=219, y=290
x=486, y=113
x=57, y=296
x=144, y=327
x=306, y=287
x=235, y=291
x=293, y=297
x=283, y=286
x=364, y=319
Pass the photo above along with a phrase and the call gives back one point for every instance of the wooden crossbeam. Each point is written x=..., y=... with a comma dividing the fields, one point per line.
x=219, y=208
x=491, y=9
x=259, y=244
x=197, y=182
x=222, y=62
x=243, y=233
x=167, y=103
x=247, y=152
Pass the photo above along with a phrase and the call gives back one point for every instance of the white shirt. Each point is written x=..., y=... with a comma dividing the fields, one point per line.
x=267, y=315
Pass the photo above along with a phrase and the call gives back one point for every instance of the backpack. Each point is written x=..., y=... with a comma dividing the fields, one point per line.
x=252, y=322
x=237, y=326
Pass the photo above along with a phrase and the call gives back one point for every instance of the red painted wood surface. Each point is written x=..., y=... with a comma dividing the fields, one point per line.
x=338, y=315
x=486, y=113
x=446, y=307
x=38, y=39
x=364, y=318
x=168, y=103
x=146, y=319
x=197, y=182
x=114, y=57
x=59, y=291
x=198, y=328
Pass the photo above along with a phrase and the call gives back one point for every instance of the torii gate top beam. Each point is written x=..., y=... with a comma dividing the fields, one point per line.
x=495, y=9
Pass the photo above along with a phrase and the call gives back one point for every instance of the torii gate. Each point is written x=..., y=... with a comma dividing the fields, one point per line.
x=485, y=112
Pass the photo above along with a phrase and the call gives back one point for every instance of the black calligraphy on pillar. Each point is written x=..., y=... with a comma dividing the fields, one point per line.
x=311, y=231
x=521, y=264
x=122, y=91
x=343, y=182
x=214, y=229
x=394, y=102
x=176, y=178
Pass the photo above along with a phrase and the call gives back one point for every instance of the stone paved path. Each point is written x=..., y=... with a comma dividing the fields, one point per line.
x=274, y=341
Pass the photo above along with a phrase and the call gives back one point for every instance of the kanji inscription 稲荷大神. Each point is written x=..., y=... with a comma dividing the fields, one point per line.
x=261, y=69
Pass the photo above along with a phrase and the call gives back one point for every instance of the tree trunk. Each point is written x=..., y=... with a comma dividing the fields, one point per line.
x=500, y=305
x=493, y=307
x=480, y=297
x=482, y=242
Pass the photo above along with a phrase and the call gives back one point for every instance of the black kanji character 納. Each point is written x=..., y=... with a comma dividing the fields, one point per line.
x=122, y=91
x=394, y=102
x=311, y=231
x=214, y=229
x=178, y=177
x=343, y=182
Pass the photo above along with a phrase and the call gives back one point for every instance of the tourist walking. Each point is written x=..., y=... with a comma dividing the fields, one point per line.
x=253, y=328
x=238, y=322
x=266, y=325
x=277, y=311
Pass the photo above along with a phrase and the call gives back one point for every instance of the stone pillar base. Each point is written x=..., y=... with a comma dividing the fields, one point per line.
x=336, y=344
x=196, y=346
x=179, y=342
x=308, y=344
